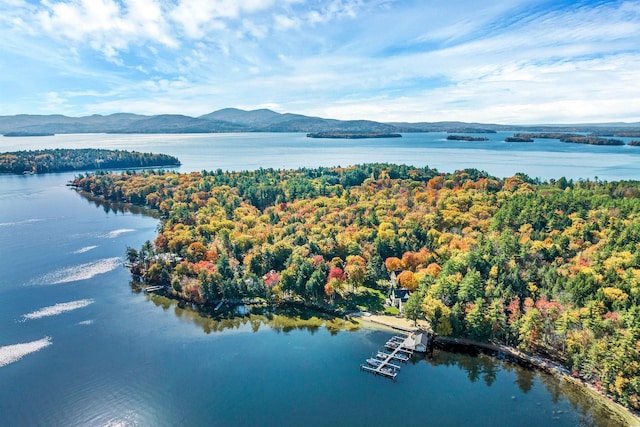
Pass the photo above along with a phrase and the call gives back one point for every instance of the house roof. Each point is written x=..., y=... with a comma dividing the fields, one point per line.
x=401, y=293
x=422, y=338
x=419, y=339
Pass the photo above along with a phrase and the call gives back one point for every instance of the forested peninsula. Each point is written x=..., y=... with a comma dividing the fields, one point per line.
x=63, y=160
x=551, y=268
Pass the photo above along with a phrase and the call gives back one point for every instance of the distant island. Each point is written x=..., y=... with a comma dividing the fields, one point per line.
x=63, y=160
x=16, y=134
x=517, y=139
x=465, y=138
x=629, y=134
x=350, y=135
x=592, y=140
x=570, y=137
x=546, y=135
x=471, y=130
x=635, y=143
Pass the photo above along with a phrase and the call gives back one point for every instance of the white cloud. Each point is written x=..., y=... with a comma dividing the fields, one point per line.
x=54, y=102
x=197, y=17
x=253, y=29
x=284, y=23
x=507, y=60
x=107, y=25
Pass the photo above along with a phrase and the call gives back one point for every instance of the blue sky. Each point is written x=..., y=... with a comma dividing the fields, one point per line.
x=501, y=61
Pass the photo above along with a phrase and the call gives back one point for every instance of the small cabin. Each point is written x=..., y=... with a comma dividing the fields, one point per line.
x=399, y=297
x=419, y=341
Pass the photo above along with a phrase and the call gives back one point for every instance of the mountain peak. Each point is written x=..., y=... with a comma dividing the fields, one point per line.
x=262, y=120
x=235, y=115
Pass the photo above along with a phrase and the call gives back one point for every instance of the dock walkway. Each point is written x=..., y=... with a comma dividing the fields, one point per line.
x=386, y=368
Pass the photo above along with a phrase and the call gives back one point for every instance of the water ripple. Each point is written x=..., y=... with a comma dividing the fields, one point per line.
x=59, y=308
x=115, y=233
x=100, y=401
x=79, y=272
x=25, y=221
x=13, y=353
x=85, y=249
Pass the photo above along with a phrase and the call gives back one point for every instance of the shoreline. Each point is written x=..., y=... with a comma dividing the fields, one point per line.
x=533, y=361
x=513, y=355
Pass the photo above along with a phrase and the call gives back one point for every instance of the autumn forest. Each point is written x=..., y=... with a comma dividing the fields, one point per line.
x=552, y=268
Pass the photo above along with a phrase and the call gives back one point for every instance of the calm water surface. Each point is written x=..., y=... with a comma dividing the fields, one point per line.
x=95, y=353
x=543, y=158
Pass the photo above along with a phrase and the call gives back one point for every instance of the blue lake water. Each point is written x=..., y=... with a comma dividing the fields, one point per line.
x=544, y=158
x=95, y=353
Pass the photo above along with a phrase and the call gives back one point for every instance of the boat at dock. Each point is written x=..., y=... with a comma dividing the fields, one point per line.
x=374, y=362
x=381, y=363
x=402, y=357
x=385, y=372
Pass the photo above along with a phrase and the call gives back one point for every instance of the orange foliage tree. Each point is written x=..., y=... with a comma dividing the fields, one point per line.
x=408, y=280
x=393, y=264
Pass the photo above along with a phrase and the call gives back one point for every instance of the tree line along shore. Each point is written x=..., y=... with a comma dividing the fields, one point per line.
x=549, y=267
x=573, y=138
x=64, y=160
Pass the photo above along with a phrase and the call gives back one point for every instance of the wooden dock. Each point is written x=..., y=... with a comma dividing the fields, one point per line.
x=386, y=368
x=396, y=347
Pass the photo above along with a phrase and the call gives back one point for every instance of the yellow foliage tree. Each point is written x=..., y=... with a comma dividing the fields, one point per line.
x=356, y=270
x=614, y=294
x=438, y=315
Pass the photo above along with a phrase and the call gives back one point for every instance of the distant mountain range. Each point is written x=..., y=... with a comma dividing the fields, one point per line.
x=236, y=120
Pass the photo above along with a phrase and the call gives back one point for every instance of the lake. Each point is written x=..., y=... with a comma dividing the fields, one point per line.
x=78, y=347
x=246, y=151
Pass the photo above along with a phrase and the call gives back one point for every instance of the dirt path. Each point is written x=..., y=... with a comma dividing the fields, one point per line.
x=395, y=322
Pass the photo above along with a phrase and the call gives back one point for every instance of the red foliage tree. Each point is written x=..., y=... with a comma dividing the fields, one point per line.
x=336, y=273
x=271, y=278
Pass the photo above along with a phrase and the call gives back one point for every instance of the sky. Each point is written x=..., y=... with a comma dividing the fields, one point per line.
x=498, y=61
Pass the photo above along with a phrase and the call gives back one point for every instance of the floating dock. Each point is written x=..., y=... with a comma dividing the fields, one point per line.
x=386, y=372
x=398, y=347
x=386, y=367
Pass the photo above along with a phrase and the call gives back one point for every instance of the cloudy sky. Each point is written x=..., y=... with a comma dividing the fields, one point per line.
x=499, y=61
